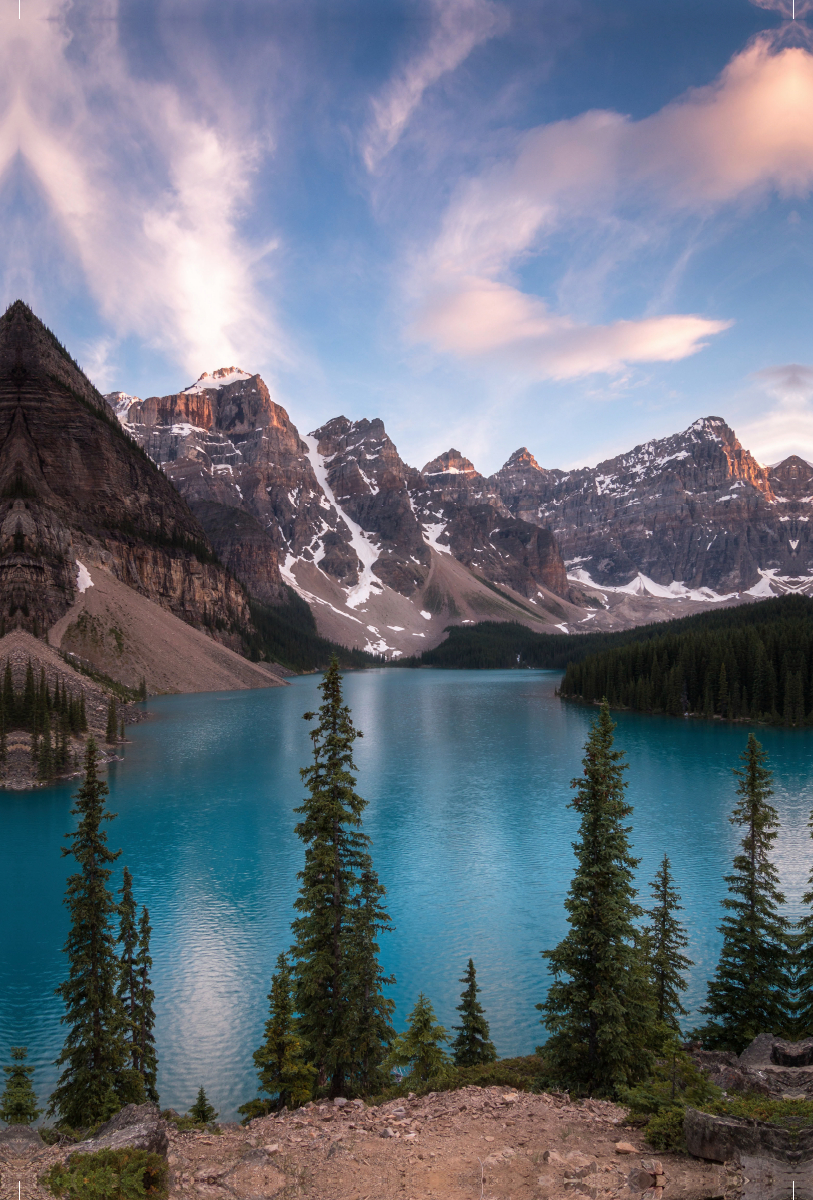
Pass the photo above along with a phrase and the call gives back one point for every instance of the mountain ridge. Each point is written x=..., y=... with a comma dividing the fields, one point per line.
x=377, y=546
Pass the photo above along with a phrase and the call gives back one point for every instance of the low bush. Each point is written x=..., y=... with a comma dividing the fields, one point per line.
x=109, y=1175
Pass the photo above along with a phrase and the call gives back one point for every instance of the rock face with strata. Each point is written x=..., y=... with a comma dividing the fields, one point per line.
x=71, y=480
x=341, y=498
x=695, y=508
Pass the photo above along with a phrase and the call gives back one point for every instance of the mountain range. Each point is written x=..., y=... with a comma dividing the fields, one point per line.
x=388, y=555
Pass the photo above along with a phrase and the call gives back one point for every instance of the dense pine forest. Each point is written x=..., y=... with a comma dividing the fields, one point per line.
x=754, y=662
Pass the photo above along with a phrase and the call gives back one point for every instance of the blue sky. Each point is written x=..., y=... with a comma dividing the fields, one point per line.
x=572, y=226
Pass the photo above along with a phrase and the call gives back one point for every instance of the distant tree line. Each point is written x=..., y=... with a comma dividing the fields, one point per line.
x=746, y=665
x=52, y=717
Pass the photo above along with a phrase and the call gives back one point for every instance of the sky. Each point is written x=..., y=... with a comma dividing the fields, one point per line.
x=571, y=226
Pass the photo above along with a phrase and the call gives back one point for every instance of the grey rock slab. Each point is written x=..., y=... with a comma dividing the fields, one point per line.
x=139, y=1126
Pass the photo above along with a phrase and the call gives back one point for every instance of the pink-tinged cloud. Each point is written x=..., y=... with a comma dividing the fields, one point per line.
x=459, y=26
x=485, y=317
x=748, y=132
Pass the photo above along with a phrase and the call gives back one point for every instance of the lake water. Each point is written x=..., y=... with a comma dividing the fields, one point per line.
x=467, y=776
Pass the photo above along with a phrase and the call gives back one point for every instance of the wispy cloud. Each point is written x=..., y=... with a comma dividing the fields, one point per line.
x=786, y=426
x=148, y=186
x=458, y=27
x=483, y=316
x=746, y=134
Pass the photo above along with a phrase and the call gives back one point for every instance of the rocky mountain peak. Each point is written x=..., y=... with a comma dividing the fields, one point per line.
x=522, y=460
x=450, y=463
x=218, y=379
x=73, y=482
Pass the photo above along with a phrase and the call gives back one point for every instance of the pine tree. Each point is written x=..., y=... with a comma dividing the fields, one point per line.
x=472, y=1044
x=337, y=984
x=144, y=1014
x=802, y=945
x=599, y=1008
x=748, y=994
x=666, y=939
x=94, y=1056
x=419, y=1047
x=371, y=1030
x=202, y=1111
x=18, y=1104
x=128, y=986
x=112, y=731
x=45, y=757
x=280, y=1060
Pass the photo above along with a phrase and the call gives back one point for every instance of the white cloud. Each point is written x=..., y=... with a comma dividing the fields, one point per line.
x=458, y=27
x=148, y=184
x=786, y=427
x=746, y=134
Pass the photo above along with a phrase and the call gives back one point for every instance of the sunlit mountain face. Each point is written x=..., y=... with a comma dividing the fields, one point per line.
x=485, y=222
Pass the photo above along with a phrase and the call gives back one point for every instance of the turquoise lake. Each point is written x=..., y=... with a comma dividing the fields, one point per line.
x=467, y=777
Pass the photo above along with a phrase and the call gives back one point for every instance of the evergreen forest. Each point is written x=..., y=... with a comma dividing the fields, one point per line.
x=746, y=663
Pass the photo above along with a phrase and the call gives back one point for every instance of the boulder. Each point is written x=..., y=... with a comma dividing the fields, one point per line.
x=139, y=1126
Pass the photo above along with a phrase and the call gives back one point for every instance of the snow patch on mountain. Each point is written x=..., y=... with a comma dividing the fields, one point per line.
x=362, y=543
x=218, y=379
x=642, y=585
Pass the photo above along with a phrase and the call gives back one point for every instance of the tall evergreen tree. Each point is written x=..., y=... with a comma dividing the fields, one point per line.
x=472, y=1044
x=280, y=1060
x=420, y=1046
x=112, y=732
x=599, y=1008
x=94, y=1056
x=144, y=1019
x=18, y=1103
x=748, y=994
x=332, y=975
x=371, y=1011
x=666, y=941
x=127, y=990
x=802, y=945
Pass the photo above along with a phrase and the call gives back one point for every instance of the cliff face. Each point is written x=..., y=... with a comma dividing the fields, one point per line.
x=694, y=508
x=71, y=481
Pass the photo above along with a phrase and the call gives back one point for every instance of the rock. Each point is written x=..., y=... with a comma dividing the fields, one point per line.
x=139, y=1126
x=388, y=1133
x=339, y=1102
x=640, y=1180
x=624, y=1148
x=272, y=1149
x=653, y=1165
x=550, y=1156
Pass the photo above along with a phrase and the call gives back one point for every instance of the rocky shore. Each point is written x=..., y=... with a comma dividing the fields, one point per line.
x=472, y=1144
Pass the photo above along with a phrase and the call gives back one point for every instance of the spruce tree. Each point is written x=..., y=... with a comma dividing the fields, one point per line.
x=144, y=1021
x=666, y=940
x=112, y=731
x=748, y=994
x=94, y=1056
x=202, y=1111
x=128, y=986
x=280, y=1060
x=472, y=1044
x=600, y=1005
x=420, y=1047
x=18, y=1103
x=337, y=980
x=371, y=1030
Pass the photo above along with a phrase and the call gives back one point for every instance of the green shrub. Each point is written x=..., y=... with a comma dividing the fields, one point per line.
x=109, y=1175
x=664, y=1131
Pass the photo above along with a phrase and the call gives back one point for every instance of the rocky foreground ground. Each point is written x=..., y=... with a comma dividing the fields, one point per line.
x=471, y=1144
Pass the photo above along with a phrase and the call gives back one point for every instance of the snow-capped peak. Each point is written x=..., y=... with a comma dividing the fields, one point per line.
x=218, y=379
x=121, y=403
